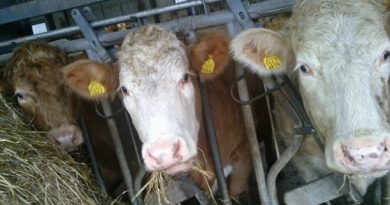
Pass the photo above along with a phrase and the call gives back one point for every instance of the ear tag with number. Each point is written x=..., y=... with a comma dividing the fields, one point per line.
x=208, y=65
x=272, y=62
x=95, y=88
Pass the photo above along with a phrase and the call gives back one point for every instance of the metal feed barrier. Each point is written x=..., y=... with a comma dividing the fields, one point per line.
x=238, y=18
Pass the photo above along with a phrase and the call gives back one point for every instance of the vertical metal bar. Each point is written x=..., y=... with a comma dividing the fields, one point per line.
x=132, y=135
x=273, y=129
x=386, y=190
x=251, y=129
x=240, y=14
x=153, y=5
x=213, y=144
x=138, y=183
x=91, y=155
x=269, y=83
x=206, y=12
x=101, y=55
x=118, y=148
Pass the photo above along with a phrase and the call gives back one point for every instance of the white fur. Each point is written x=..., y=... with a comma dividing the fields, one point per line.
x=152, y=65
x=342, y=42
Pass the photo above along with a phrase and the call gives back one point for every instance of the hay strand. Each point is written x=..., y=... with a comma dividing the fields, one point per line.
x=33, y=171
x=158, y=181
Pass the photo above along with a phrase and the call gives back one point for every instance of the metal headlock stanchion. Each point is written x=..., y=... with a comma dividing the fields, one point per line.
x=239, y=15
x=97, y=52
x=210, y=130
x=107, y=39
x=209, y=124
x=243, y=19
x=91, y=155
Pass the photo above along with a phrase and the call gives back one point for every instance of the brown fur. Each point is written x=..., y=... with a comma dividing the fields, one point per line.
x=91, y=71
x=218, y=48
x=227, y=116
x=230, y=131
x=37, y=68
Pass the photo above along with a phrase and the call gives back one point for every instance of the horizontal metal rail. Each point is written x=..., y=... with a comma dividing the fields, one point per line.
x=106, y=22
x=194, y=22
x=38, y=8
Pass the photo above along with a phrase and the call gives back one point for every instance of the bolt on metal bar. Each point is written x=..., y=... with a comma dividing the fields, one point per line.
x=251, y=128
x=88, y=32
x=208, y=121
x=240, y=14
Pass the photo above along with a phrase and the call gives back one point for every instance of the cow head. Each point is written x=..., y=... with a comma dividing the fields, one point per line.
x=36, y=73
x=339, y=60
x=160, y=94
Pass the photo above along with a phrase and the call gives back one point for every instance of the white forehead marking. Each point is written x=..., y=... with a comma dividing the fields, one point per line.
x=153, y=54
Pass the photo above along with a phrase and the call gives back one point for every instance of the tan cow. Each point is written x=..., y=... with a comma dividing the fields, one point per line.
x=161, y=94
x=337, y=53
x=35, y=73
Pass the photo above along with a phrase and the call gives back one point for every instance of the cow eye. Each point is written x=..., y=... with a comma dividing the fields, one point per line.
x=19, y=96
x=185, y=77
x=124, y=90
x=386, y=55
x=304, y=68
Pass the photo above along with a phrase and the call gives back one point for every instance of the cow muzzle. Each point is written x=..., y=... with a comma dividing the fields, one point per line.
x=171, y=156
x=363, y=155
x=68, y=138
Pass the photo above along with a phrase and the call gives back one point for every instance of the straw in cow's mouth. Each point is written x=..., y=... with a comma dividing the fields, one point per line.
x=159, y=180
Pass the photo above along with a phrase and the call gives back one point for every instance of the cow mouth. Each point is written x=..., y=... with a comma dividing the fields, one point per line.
x=178, y=167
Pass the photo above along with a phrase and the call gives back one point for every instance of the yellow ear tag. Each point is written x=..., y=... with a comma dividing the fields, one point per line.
x=272, y=62
x=208, y=65
x=95, y=88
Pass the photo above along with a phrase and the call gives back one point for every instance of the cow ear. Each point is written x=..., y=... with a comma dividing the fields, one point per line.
x=262, y=51
x=90, y=79
x=210, y=56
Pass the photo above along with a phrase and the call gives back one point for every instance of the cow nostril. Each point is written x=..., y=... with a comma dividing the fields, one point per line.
x=156, y=159
x=177, y=150
x=373, y=155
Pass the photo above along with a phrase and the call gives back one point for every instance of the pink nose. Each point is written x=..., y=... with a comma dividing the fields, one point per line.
x=160, y=156
x=366, y=155
x=68, y=138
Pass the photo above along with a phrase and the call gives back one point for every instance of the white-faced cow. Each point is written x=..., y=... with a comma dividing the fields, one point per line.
x=36, y=74
x=161, y=94
x=337, y=53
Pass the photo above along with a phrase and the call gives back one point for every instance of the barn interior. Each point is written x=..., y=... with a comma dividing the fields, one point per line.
x=96, y=29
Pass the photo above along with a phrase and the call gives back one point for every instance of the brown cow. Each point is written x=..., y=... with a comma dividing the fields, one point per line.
x=162, y=97
x=35, y=74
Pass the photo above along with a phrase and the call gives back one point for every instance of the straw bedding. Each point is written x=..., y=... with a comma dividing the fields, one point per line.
x=33, y=171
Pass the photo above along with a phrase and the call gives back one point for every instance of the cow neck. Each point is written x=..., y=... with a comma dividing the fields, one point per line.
x=218, y=92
